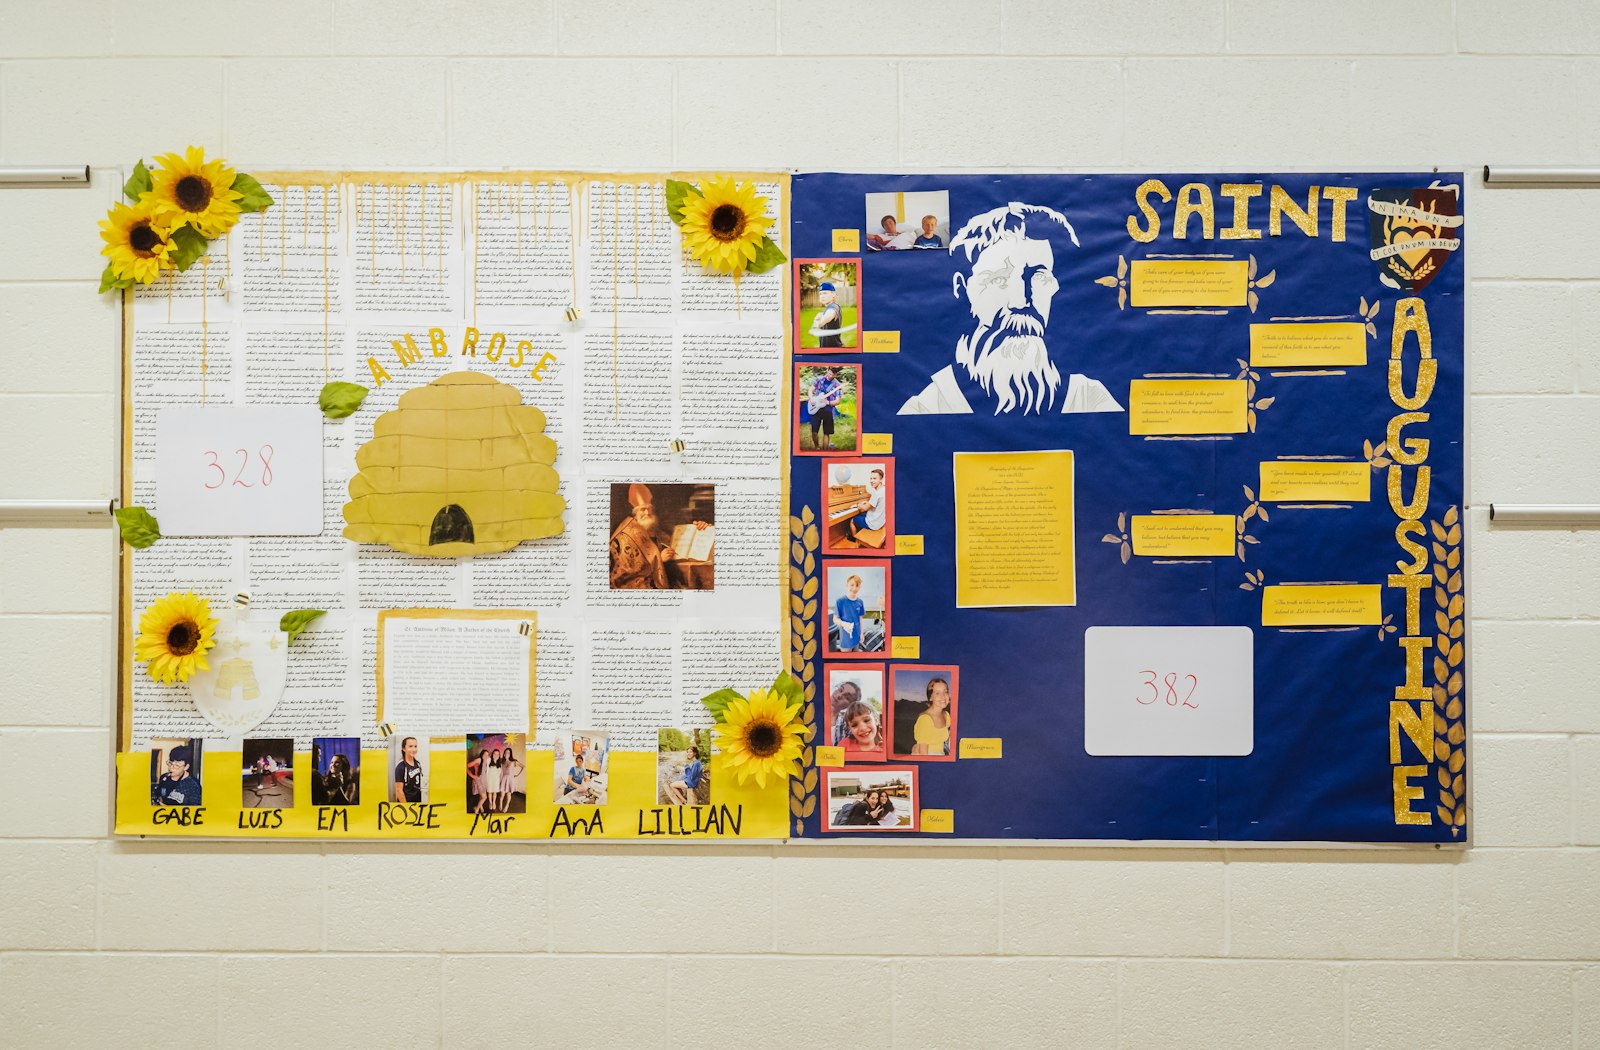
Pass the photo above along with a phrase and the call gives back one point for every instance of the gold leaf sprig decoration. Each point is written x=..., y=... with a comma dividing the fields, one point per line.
x=804, y=582
x=1120, y=537
x=1254, y=282
x=1119, y=281
x=1253, y=508
x=1449, y=672
x=1369, y=316
x=1251, y=377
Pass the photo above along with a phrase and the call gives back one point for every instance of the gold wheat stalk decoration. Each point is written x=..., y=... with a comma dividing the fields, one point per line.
x=1449, y=673
x=804, y=582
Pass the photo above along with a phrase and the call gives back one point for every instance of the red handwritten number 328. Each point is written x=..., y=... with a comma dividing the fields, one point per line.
x=264, y=453
x=1170, y=694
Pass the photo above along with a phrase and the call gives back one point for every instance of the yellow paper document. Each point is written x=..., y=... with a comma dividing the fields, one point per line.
x=1014, y=531
x=1322, y=605
x=1187, y=406
x=1188, y=282
x=1184, y=535
x=1308, y=345
x=1291, y=481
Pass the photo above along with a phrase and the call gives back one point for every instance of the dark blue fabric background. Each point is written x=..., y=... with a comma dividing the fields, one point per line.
x=1320, y=769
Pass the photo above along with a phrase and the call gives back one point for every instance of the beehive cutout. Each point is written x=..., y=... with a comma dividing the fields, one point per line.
x=462, y=466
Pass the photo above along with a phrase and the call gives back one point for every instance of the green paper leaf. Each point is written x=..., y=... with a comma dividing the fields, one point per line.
x=139, y=528
x=768, y=255
x=138, y=183
x=676, y=192
x=298, y=620
x=109, y=280
x=717, y=703
x=338, y=400
x=187, y=246
x=255, y=198
x=789, y=688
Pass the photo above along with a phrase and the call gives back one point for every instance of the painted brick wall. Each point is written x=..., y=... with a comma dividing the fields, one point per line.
x=134, y=944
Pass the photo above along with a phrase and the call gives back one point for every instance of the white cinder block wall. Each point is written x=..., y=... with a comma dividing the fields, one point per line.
x=142, y=944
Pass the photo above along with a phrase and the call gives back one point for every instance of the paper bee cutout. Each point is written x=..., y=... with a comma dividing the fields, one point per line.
x=462, y=466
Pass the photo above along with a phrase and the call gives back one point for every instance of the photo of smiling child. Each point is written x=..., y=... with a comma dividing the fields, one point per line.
x=856, y=608
x=855, y=711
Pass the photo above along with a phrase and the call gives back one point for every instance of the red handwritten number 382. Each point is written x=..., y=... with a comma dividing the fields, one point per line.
x=1170, y=694
x=264, y=453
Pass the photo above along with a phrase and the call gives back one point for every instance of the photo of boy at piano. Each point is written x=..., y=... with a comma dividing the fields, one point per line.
x=663, y=537
x=859, y=495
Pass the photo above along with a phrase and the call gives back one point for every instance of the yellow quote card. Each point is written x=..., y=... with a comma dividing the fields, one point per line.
x=1187, y=406
x=1322, y=605
x=1308, y=345
x=1184, y=535
x=1014, y=529
x=1188, y=282
x=1294, y=481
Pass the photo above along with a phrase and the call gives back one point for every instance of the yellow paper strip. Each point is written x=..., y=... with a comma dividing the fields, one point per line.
x=1306, y=345
x=830, y=757
x=1184, y=535
x=877, y=444
x=1000, y=563
x=880, y=342
x=979, y=747
x=1322, y=605
x=908, y=544
x=1187, y=406
x=905, y=647
x=1290, y=481
x=938, y=821
x=847, y=240
x=1188, y=282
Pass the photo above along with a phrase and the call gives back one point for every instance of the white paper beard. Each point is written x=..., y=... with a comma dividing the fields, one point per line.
x=1015, y=369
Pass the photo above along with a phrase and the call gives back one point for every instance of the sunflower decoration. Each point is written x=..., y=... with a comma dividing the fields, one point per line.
x=137, y=243
x=724, y=225
x=175, y=212
x=760, y=735
x=190, y=190
x=175, y=633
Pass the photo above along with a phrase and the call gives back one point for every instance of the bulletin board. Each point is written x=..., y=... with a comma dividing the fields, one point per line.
x=493, y=658
x=1130, y=506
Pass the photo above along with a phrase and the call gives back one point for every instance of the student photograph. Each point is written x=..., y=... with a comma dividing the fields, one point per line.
x=855, y=609
x=336, y=771
x=848, y=685
x=923, y=713
x=175, y=772
x=876, y=799
x=408, y=757
x=581, y=767
x=683, y=767
x=859, y=497
x=496, y=773
x=268, y=773
x=827, y=409
x=907, y=220
x=827, y=304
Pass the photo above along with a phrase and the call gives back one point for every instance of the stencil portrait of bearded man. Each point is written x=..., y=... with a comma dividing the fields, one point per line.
x=1006, y=364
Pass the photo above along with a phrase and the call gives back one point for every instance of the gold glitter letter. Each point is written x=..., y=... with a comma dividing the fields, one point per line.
x=1416, y=449
x=1417, y=724
x=1201, y=205
x=1414, y=689
x=1141, y=197
x=1280, y=204
x=1419, y=494
x=407, y=351
x=1340, y=196
x=1404, y=793
x=1419, y=553
x=1241, y=192
x=441, y=345
x=1414, y=585
x=379, y=375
